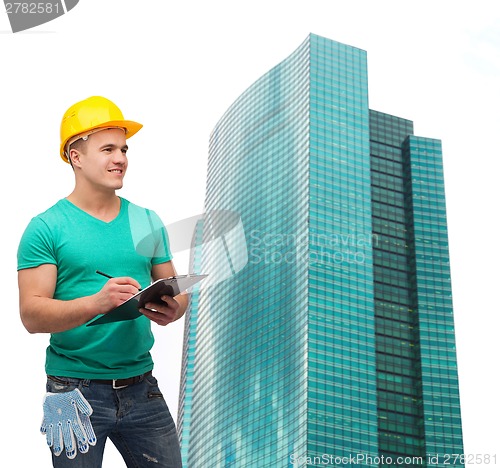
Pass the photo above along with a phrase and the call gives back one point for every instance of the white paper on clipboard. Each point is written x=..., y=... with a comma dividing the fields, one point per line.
x=129, y=310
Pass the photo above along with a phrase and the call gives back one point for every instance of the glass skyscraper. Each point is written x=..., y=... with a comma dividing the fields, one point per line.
x=334, y=344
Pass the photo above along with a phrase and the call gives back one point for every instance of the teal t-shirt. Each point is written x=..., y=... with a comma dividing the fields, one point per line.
x=79, y=244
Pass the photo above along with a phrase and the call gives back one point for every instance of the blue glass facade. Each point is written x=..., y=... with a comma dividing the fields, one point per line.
x=336, y=339
x=342, y=397
x=432, y=296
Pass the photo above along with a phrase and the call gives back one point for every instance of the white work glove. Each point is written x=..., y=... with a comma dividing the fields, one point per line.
x=66, y=415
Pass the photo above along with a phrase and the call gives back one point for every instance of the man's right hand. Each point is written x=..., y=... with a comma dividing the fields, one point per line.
x=114, y=293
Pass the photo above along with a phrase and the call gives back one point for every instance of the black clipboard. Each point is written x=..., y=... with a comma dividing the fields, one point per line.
x=129, y=310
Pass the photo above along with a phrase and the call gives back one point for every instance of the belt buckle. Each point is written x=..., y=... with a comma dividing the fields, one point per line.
x=118, y=387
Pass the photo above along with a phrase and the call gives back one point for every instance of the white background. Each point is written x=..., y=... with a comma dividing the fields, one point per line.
x=176, y=67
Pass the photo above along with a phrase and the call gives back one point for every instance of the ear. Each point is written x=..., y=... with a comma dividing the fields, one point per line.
x=74, y=156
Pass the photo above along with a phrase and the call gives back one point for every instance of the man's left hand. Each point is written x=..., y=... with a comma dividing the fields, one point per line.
x=162, y=313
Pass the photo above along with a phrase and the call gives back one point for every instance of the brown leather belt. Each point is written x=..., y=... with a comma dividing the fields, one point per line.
x=122, y=383
x=116, y=383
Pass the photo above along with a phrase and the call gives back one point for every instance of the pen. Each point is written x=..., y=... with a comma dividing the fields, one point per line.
x=106, y=275
x=103, y=274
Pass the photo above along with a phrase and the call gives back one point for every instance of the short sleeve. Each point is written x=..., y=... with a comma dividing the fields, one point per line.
x=162, y=251
x=36, y=246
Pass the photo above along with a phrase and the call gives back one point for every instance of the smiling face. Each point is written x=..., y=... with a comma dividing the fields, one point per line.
x=101, y=162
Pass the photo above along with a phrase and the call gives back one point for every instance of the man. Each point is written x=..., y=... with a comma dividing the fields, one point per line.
x=101, y=371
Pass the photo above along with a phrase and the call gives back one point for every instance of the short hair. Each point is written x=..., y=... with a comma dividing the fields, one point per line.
x=79, y=145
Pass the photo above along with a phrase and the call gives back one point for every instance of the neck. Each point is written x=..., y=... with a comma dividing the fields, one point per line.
x=104, y=206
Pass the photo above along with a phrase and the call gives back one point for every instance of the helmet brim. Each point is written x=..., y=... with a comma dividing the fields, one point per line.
x=131, y=128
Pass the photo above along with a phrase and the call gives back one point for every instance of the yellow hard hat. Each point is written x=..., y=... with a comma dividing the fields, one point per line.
x=90, y=115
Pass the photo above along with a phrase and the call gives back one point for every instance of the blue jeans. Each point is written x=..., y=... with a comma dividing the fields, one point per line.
x=135, y=418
